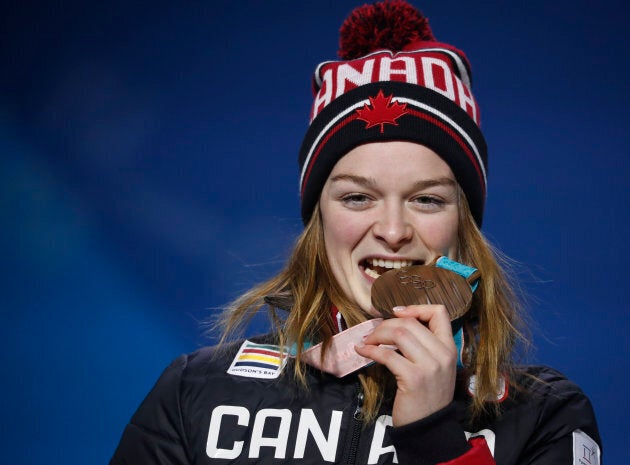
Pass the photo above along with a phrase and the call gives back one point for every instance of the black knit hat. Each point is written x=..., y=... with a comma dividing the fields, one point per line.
x=396, y=82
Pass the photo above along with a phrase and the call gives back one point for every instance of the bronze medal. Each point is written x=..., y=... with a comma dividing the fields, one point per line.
x=422, y=284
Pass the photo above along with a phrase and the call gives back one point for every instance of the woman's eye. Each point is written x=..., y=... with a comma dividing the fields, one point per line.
x=355, y=199
x=428, y=201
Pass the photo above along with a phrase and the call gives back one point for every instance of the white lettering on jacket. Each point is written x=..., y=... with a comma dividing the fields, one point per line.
x=279, y=443
x=377, y=449
x=224, y=418
x=212, y=448
x=308, y=423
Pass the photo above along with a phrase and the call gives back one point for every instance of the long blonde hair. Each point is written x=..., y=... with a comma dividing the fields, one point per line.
x=307, y=288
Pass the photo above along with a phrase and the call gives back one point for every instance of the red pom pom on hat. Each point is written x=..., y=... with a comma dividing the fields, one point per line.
x=395, y=76
x=390, y=25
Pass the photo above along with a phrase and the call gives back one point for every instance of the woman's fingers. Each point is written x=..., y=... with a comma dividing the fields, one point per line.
x=436, y=318
x=424, y=364
x=416, y=330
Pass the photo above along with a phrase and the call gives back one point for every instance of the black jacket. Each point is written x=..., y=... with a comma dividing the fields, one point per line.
x=197, y=413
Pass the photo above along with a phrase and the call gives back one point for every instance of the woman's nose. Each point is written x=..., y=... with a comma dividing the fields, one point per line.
x=393, y=227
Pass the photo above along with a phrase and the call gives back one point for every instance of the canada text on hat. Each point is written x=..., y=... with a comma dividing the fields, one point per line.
x=396, y=82
x=435, y=67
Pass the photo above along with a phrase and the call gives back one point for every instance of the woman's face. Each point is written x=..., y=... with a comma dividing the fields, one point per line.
x=387, y=205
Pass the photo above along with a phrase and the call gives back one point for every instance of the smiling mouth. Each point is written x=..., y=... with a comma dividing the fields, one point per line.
x=374, y=267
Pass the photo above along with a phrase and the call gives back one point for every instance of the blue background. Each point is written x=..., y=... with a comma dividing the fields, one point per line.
x=148, y=175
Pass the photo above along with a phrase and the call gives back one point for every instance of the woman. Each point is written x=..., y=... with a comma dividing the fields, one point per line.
x=393, y=175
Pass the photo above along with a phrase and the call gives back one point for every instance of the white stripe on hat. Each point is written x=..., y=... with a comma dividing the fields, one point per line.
x=414, y=103
x=324, y=131
x=453, y=124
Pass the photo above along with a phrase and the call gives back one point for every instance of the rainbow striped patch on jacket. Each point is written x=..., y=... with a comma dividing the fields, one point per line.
x=258, y=361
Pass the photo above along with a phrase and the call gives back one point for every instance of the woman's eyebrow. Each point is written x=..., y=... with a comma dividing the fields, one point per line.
x=444, y=181
x=360, y=180
x=371, y=182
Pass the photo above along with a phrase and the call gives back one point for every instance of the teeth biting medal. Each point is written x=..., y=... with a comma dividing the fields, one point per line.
x=423, y=284
x=445, y=282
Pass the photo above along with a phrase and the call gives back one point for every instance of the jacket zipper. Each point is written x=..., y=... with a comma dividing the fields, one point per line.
x=357, y=424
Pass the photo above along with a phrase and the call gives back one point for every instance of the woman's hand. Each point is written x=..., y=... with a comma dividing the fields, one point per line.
x=425, y=364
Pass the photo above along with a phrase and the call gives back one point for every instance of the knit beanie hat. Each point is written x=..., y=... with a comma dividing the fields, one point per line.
x=395, y=83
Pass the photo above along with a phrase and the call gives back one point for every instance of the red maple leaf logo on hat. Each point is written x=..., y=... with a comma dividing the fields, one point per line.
x=382, y=111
